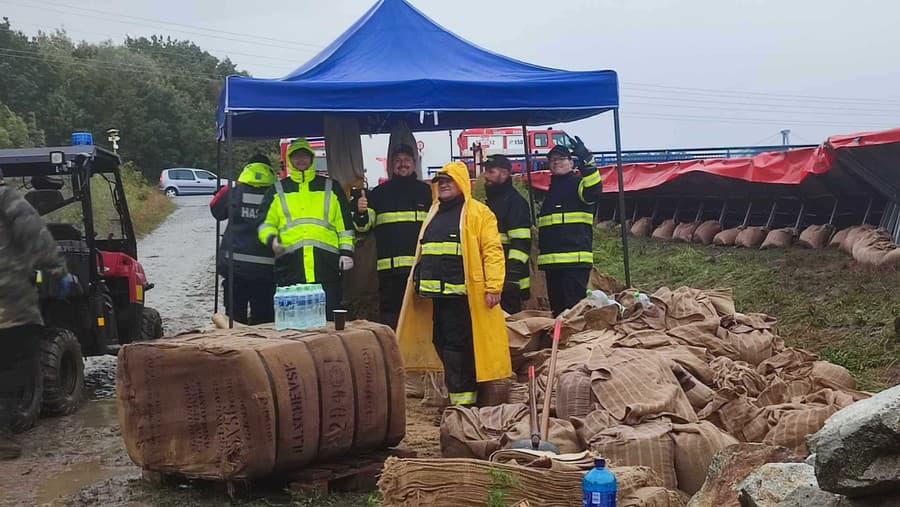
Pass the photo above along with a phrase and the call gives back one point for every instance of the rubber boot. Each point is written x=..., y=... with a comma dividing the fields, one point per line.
x=9, y=449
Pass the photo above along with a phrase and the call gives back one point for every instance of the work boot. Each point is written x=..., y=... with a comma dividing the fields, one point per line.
x=9, y=449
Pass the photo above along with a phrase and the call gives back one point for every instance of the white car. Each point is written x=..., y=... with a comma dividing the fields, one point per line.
x=189, y=181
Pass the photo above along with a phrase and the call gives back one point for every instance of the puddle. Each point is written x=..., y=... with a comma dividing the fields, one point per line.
x=97, y=414
x=54, y=490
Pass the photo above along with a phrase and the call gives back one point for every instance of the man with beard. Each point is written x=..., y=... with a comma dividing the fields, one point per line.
x=395, y=210
x=514, y=223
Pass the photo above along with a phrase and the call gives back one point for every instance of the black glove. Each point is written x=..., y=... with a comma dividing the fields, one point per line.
x=583, y=156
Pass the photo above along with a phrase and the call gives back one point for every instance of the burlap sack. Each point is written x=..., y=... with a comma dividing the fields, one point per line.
x=693, y=359
x=751, y=237
x=685, y=231
x=589, y=426
x=665, y=230
x=494, y=392
x=706, y=232
x=527, y=333
x=654, y=497
x=636, y=385
x=435, y=390
x=788, y=424
x=738, y=376
x=871, y=247
x=561, y=433
x=695, y=446
x=731, y=412
x=573, y=394
x=579, y=461
x=838, y=239
x=415, y=384
x=892, y=258
x=752, y=335
x=727, y=237
x=649, y=444
x=778, y=238
x=599, y=280
x=816, y=236
x=469, y=483
x=853, y=234
x=642, y=228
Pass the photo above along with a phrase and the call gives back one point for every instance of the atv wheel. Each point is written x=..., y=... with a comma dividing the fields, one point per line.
x=151, y=324
x=63, y=368
x=28, y=409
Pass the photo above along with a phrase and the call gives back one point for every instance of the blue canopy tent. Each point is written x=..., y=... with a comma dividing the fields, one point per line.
x=395, y=64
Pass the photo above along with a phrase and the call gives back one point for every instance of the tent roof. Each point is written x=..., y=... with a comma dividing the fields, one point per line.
x=393, y=64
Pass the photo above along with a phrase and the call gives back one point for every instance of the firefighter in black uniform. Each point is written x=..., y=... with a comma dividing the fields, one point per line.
x=254, y=283
x=514, y=223
x=565, y=224
x=395, y=210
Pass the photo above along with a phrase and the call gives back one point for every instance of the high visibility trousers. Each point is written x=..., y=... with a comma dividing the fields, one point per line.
x=566, y=287
x=453, y=342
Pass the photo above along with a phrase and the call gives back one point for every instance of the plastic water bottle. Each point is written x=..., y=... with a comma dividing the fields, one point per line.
x=598, y=298
x=279, y=308
x=320, y=306
x=295, y=307
x=599, y=486
x=643, y=299
x=306, y=295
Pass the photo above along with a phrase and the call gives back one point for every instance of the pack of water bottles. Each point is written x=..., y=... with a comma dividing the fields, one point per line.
x=300, y=306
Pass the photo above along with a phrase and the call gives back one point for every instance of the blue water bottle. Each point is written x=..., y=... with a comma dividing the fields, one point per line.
x=599, y=486
x=279, y=308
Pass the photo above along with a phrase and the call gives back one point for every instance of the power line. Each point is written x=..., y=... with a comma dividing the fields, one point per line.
x=757, y=104
x=773, y=96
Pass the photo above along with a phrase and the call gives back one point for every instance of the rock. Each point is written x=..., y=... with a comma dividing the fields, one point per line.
x=858, y=449
x=785, y=485
x=733, y=464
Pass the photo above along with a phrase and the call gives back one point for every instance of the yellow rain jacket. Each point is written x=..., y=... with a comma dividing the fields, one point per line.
x=485, y=269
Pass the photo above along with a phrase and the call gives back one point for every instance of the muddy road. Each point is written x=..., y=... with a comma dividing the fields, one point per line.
x=80, y=459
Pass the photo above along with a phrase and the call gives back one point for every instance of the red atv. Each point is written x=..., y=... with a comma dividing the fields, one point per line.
x=78, y=190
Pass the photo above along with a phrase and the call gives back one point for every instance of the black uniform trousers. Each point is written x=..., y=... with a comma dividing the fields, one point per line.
x=19, y=369
x=257, y=296
x=452, y=338
x=511, y=301
x=391, y=288
x=566, y=287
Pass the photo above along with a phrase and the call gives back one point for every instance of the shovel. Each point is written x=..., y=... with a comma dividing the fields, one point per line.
x=551, y=377
x=534, y=443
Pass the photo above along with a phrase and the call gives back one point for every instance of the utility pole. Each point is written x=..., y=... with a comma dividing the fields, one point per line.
x=786, y=137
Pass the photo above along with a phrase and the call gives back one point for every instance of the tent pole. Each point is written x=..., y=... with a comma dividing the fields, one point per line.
x=528, y=171
x=229, y=120
x=218, y=226
x=619, y=173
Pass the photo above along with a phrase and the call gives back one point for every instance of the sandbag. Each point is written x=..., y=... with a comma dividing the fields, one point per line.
x=838, y=239
x=649, y=444
x=642, y=228
x=494, y=392
x=573, y=394
x=751, y=237
x=706, y=232
x=853, y=234
x=752, y=335
x=665, y=230
x=727, y=237
x=241, y=403
x=892, y=258
x=685, y=231
x=871, y=247
x=695, y=446
x=778, y=238
x=816, y=236
x=435, y=390
x=469, y=483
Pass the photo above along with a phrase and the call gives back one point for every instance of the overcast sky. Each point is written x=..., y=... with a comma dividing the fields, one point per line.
x=692, y=73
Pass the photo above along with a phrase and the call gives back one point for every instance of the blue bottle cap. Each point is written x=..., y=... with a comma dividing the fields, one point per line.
x=600, y=462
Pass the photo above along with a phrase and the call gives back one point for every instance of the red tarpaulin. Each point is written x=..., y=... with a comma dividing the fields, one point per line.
x=779, y=167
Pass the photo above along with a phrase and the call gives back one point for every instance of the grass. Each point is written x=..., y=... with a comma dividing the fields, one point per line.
x=824, y=301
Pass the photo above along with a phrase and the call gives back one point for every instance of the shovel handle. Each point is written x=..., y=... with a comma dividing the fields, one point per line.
x=551, y=377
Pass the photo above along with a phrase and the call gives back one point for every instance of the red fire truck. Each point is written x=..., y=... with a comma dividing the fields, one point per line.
x=508, y=141
x=318, y=145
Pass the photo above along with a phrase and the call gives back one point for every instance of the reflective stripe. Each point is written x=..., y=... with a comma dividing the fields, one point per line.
x=281, y=197
x=310, y=242
x=591, y=179
x=392, y=217
x=518, y=255
x=264, y=227
x=308, y=221
x=252, y=198
x=504, y=238
x=467, y=398
x=253, y=259
x=345, y=240
x=525, y=283
x=402, y=261
x=571, y=217
x=566, y=258
x=442, y=248
x=520, y=233
x=439, y=287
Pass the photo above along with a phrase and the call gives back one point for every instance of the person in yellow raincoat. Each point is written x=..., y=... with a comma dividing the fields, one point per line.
x=451, y=318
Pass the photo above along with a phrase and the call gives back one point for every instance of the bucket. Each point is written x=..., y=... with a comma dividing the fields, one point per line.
x=82, y=138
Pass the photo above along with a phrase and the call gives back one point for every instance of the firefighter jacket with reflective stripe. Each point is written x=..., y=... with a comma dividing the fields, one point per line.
x=312, y=221
x=514, y=224
x=396, y=211
x=440, y=271
x=565, y=223
x=252, y=259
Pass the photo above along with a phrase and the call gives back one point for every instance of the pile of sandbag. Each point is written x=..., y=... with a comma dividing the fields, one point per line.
x=868, y=245
x=511, y=477
x=664, y=386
